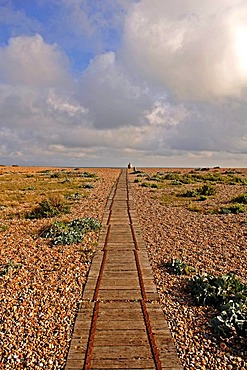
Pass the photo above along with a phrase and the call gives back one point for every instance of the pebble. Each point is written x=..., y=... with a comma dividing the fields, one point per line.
x=210, y=243
x=39, y=301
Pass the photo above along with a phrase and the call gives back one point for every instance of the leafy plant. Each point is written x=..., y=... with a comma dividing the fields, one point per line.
x=65, y=232
x=3, y=228
x=234, y=208
x=10, y=266
x=190, y=194
x=232, y=319
x=206, y=189
x=88, y=186
x=50, y=207
x=55, y=175
x=178, y=267
x=217, y=291
x=88, y=175
x=74, y=196
x=150, y=185
x=242, y=198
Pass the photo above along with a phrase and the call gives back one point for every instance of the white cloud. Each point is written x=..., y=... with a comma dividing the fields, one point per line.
x=196, y=49
x=65, y=105
x=29, y=61
x=165, y=114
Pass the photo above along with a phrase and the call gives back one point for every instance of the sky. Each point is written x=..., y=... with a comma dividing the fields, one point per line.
x=106, y=82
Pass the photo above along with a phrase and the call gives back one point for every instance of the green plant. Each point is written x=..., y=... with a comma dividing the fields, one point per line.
x=55, y=175
x=202, y=198
x=206, y=189
x=242, y=198
x=217, y=291
x=178, y=267
x=88, y=175
x=10, y=266
x=65, y=232
x=234, y=208
x=88, y=186
x=176, y=182
x=150, y=185
x=74, y=196
x=232, y=319
x=3, y=228
x=50, y=207
x=189, y=194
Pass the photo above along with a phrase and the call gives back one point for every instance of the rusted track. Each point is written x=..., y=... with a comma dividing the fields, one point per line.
x=143, y=292
x=151, y=336
x=88, y=356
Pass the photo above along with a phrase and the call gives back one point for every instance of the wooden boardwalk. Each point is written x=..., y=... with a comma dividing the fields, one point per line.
x=120, y=324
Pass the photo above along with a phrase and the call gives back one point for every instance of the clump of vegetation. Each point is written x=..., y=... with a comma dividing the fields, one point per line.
x=88, y=186
x=10, y=266
x=66, y=233
x=3, y=228
x=74, y=196
x=234, y=208
x=189, y=194
x=55, y=175
x=217, y=291
x=137, y=180
x=176, y=182
x=242, y=198
x=227, y=294
x=88, y=175
x=205, y=190
x=231, y=320
x=178, y=267
x=50, y=207
x=237, y=180
x=150, y=185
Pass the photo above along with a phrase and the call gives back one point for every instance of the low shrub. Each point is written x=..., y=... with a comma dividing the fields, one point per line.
x=150, y=185
x=242, y=198
x=234, y=208
x=88, y=186
x=205, y=190
x=231, y=320
x=66, y=233
x=178, y=267
x=189, y=194
x=227, y=294
x=55, y=175
x=3, y=228
x=47, y=208
x=10, y=266
x=217, y=291
x=88, y=175
x=74, y=196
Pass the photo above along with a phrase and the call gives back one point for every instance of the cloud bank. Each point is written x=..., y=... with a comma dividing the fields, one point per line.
x=170, y=90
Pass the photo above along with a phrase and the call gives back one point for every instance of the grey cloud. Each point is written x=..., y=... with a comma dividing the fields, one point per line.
x=112, y=98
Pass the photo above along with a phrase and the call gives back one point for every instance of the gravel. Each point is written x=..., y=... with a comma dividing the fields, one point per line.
x=211, y=243
x=39, y=299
